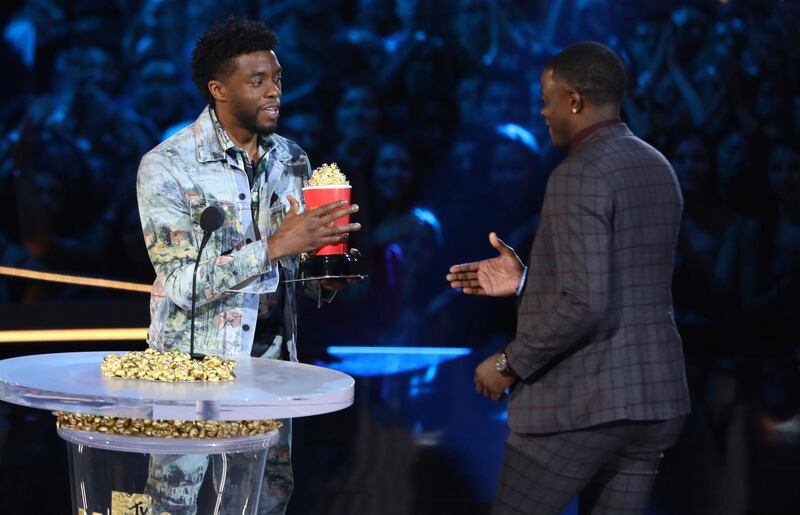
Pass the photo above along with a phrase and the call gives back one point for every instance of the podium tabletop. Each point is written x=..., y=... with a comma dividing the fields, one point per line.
x=262, y=389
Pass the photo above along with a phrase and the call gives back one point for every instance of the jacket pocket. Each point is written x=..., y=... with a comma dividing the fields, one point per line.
x=223, y=240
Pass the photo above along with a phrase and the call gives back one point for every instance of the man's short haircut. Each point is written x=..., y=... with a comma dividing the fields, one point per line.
x=215, y=51
x=593, y=70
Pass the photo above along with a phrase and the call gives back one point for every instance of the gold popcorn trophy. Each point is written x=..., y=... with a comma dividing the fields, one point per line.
x=335, y=261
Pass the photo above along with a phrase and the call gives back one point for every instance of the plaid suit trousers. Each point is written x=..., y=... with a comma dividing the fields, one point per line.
x=612, y=467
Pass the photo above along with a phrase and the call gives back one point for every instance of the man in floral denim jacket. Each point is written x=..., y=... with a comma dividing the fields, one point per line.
x=237, y=284
x=231, y=158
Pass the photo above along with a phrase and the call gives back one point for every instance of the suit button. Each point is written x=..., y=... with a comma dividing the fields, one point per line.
x=248, y=240
x=246, y=327
x=242, y=196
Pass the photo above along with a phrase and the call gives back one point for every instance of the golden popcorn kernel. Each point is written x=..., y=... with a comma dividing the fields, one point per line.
x=155, y=365
x=327, y=175
x=164, y=428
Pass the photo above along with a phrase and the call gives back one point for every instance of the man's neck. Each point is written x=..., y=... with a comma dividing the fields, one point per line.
x=590, y=123
x=593, y=118
x=243, y=138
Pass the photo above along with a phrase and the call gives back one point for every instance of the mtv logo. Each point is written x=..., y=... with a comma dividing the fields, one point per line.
x=132, y=504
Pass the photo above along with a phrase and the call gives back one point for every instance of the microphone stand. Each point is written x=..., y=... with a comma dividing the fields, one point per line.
x=203, y=243
x=211, y=219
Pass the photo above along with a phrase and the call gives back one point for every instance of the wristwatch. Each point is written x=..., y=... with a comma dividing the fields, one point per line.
x=501, y=362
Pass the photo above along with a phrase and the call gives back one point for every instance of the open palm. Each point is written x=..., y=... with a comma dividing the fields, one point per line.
x=494, y=277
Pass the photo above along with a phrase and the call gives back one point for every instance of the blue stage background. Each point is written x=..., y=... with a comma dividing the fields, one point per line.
x=431, y=108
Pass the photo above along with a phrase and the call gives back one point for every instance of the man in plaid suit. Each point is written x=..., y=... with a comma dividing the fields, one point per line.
x=596, y=370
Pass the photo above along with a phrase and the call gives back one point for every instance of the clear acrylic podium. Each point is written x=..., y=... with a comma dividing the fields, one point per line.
x=119, y=475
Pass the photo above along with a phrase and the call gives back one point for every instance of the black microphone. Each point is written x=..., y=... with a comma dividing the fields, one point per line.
x=211, y=219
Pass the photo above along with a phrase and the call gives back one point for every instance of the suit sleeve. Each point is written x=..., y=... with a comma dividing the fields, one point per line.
x=172, y=245
x=581, y=210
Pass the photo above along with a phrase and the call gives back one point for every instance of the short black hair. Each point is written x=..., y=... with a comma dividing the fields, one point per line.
x=593, y=69
x=215, y=50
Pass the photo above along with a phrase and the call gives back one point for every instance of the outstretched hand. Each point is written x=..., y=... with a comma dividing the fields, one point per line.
x=494, y=277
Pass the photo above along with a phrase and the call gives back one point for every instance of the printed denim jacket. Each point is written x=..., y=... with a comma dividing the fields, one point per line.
x=176, y=181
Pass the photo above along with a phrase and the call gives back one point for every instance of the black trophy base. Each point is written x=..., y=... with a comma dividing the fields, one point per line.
x=336, y=266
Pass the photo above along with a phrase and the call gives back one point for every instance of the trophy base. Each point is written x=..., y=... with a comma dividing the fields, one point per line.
x=336, y=266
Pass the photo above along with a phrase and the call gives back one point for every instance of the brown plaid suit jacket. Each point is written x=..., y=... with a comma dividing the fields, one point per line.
x=596, y=339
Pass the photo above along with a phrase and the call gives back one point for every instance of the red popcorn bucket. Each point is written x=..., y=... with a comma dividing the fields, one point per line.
x=318, y=196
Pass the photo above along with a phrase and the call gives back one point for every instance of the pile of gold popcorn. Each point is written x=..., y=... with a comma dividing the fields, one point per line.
x=173, y=365
x=164, y=428
x=327, y=175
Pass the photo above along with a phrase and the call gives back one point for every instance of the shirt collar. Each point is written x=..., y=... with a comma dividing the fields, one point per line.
x=588, y=131
x=265, y=142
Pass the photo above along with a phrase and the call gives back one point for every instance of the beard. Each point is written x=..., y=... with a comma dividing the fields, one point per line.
x=249, y=120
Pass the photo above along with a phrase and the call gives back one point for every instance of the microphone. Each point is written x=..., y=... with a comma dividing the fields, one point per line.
x=211, y=219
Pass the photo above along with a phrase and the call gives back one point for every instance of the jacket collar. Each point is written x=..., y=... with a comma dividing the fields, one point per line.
x=588, y=131
x=208, y=146
x=619, y=130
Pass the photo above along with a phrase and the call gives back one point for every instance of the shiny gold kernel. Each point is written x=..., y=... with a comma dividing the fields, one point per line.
x=156, y=365
x=328, y=175
x=165, y=428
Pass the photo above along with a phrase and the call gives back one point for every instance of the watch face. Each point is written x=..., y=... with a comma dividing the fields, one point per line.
x=501, y=363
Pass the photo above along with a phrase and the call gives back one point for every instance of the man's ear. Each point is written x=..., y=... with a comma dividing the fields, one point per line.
x=575, y=102
x=217, y=90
